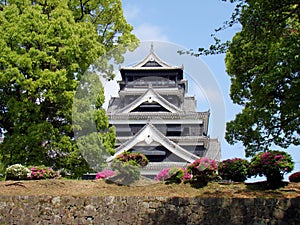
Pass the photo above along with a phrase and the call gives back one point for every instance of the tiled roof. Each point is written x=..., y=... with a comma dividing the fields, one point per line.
x=188, y=105
x=152, y=61
x=150, y=133
x=150, y=96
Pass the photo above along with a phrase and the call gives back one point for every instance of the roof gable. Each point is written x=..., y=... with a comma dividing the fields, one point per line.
x=148, y=97
x=150, y=134
x=152, y=60
x=152, y=64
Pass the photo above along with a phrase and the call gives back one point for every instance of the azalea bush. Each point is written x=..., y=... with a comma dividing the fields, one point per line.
x=127, y=165
x=163, y=175
x=138, y=158
x=198, y=173
x=173, y=175
x=273, y=165
x=105, y=174
x=295, y=177
x=203, y=170
x=17, y=172
x=126, y=172
x=234, y=169
x=42, y=172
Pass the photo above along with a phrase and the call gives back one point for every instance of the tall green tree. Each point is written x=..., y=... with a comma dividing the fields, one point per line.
x=263, y=63
x=45, y=48
x=94, y=138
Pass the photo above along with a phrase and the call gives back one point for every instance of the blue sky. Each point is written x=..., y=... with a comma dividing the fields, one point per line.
x=190, y=24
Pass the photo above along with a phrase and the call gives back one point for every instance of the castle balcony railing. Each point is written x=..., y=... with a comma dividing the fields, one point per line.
x=181, y=140
x=154, y=83
x=159, y=116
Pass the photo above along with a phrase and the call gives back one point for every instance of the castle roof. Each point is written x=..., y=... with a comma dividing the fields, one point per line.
x=150, y=96
x=149, y=134
x=152, y=62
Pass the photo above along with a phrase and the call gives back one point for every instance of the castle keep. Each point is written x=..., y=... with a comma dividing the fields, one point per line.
x=154, y=116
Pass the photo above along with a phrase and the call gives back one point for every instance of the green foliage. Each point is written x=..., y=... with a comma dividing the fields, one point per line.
x=175, y=175
x=17, y=172
x=263, y=62
x=127, y=165
x=234, y=169
x=273, y=165
x=46, y=46
x=95, y=139
x=127, y=172
x=2, y=170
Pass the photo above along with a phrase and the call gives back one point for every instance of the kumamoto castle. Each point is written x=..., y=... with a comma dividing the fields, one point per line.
x=154, y=116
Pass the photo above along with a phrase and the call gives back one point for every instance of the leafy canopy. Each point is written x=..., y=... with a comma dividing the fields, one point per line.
x=46, y=46
x=263, y=63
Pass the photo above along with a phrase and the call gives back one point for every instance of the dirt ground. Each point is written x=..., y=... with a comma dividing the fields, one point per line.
x=64, y=187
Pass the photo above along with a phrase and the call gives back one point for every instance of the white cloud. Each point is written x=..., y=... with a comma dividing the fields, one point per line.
x=144, y=31
x=150, y=32
x=131, y=12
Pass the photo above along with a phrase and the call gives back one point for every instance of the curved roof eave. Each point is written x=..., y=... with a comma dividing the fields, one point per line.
x=150, y=58
x=150, y=95
x=148, y=134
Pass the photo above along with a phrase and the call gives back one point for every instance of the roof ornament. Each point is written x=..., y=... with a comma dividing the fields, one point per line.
x=152, y=48
x=148, y=121
x=152, y=61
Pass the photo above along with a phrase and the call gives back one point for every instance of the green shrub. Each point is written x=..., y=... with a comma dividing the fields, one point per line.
x=2, y=171
x=295, y=177
x=17, y=172
x=127, y=172
x=234, y=169
x=65, y=173
x=273, y=165
x=127, y=165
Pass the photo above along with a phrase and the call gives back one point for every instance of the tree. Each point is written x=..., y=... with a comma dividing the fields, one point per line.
x=263, y=63
x=94, y=138
x=46, y=46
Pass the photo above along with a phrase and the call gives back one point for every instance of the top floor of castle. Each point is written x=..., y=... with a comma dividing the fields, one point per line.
x=153, y=73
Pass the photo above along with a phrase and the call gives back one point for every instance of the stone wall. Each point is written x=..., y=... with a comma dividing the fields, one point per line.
x=147, y=210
